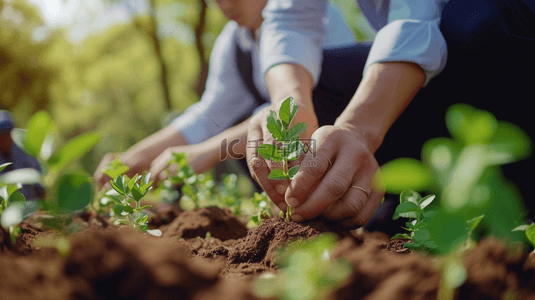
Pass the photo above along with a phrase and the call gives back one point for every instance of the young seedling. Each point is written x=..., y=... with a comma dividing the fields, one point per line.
x=307, y=271
x=529, y=231
x=12, y=207
x=261, y=203
x=288, y=138
x=412, y=206
x=132, y=190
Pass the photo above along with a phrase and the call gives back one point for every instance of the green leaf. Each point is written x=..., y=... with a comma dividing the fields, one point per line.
x=144, y=219
x=3, y=166
x=114, y=198
x=155, y=232
x=521, y=227
x=38, y=127
x=401, y=236
x=12, y=215
x=276, y=174
x=296, y=148
x=17, y=197
x=73, y=150
x=530, y=234
x=293, y=110
x=115, y=168
x=22, y=176
x=48, y=147
x=268, y=151
x=120, y=182
x=142, y=208
x=426, y=201
x=117, y=188
x=284, y=112
x=132, y=182
x=274, y=126
x=509, y=144
x=406, y=207
x=472, y=224
x=293, y=171
x=421, y=235
x=75, y=192
x=295, y=131
x=146, y=179
x=147, y=187
x=470, y=125
x=19, y=137
x=410, y=196
x=405, y=173
x=128, y=209
x=137, y=194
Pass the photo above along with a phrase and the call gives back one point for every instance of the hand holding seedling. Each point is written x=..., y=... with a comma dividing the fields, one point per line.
x=265, y=130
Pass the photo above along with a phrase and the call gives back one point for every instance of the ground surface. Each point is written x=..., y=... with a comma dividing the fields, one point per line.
x=120, y=263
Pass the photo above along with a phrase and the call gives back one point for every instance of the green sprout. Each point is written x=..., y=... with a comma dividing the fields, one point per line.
x=131, y=190
x=12, y=207
x=66, y=192
x=286, y=136
x=412, y=206
x=307, y=271
x=262, y=204
x=529, y=231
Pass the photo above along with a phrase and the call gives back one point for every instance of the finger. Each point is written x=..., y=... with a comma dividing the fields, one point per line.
x=157, y=167
x=365, y=214
x=312, y=168
x=331, y=188
x=356, y=196
x=258, y=167
x=99, y=176
x=273, y=188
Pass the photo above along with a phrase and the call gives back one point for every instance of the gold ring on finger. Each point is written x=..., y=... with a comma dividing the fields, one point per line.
x=362, y=189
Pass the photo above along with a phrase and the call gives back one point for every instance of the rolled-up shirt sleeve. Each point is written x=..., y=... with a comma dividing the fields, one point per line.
x=225, y=100
x=412, y=35
x=292, y=32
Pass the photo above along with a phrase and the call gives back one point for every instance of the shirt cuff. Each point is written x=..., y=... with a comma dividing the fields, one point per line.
x=416, y=41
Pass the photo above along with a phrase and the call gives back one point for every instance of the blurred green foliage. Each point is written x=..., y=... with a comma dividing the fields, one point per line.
x=110, y=81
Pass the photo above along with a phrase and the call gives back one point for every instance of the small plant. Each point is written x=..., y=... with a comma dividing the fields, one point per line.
x=262, y=204
x=288, y=138
x=529, y=231
x=132, y=190
x=412, y=206
x=13, y=207
x=66, y=192
x=307, y=271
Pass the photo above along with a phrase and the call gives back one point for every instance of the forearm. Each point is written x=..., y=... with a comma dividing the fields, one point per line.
x=287, y=80
x=385, y=91
x=149, y=148
x=234, y=147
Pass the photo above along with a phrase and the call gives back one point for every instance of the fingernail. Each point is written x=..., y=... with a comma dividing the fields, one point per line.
x=297, y=218
x=292, y=202
x=281, y=189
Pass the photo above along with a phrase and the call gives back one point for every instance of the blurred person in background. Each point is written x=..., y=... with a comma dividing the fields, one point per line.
x=234, y=91
x=10, y=152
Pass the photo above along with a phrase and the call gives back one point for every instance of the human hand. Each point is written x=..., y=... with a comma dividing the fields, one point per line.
x=200, y=158
x=136, y=162
x=336, y=180
x=259, y=133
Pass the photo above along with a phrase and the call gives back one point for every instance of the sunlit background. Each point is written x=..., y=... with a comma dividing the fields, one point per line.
x=122, y=68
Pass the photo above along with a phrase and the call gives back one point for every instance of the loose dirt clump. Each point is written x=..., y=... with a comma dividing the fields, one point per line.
x=125, y=264
x=221, y=224
x=380, y=274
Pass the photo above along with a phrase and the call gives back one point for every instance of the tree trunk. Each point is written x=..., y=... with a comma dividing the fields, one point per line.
x=199, y=31
x=157, y=48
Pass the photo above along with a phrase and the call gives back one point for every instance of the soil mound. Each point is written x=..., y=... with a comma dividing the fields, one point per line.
x=164, y=214
x=126, y=264
x=260, y=244
x=221, y=224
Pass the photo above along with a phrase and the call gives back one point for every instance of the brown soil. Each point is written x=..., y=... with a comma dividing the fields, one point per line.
x=163, y=215
x=120, y=263
x=221, y=224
